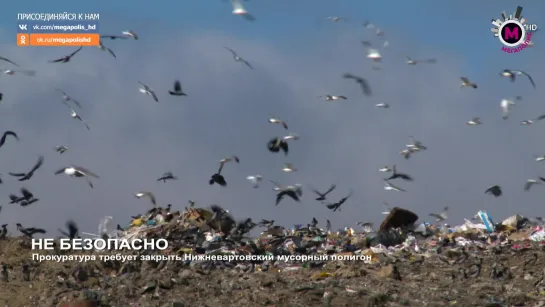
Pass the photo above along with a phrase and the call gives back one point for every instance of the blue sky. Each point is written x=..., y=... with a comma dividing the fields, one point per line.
x=134, y=140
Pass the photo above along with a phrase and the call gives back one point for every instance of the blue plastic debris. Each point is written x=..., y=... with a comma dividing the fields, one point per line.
x=487, y=221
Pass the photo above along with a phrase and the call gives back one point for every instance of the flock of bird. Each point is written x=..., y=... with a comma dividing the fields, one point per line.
x=274, y=145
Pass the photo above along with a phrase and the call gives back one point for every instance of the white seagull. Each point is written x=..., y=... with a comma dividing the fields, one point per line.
x=148, y=195
x=390, y=187
x=466, y=83
x=238, y=9
x=277, y=186
x=374, y=55
x=529, y=183
x=416, y=145
x=291, y=136
x=385, y=169
x=67, y=98
x=414, y=62
x=288, y=168
x=104, y=48
x=440, y=216
x=75, y=115
x=274, y=120
x=531, y=121
x=130, y=33
x=540, y=158
x=474, y=121
x=407, y=152
x=382, y=105
x=148, y=91
x=237, y=58
x=335, y=18
x=11, y=72
x=512, y=74
x=77, y=172
x=334, y=97
x=255, y=180
x=506, y=104
x=387, y=208
x=378, y=31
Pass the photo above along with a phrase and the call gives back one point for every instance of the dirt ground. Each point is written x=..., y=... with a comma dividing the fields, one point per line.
x=507, y=277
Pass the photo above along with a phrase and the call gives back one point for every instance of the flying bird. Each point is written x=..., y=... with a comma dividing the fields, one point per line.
x=8, y=60
x=334, y=97
x=255, y=180
x=29, y=232
x=27, y=176
x=407, y=152
x=266, y=223
x=73, y=231
x=335, y=18
x=414, y=62
x=167, y=176
x=238, y=9
x=529, y=183
x=67, y=98
x=112, y=37
x=505, y=105
x=237, y=58
x=277, y=186
x=6, y=134
x=385, y=169
x=104, y=48
x=467, y=83
x=440, y=216
x=78, y=172
x=60, y=149
x=217, y=177
x=130, y=34
x=11, y=72
x=337, y=206
x=387, y=208
x=396, y=174
x=177, y=91
x=368, y=25
x=322, y=196
x=390, y=187
x=291, y=136
x=382, y=105
x=227, y=160
x=75, y=115
x=276, y=144
x=361, y=81
x=531, y=121
x=540, y=158
x=1, y=96
x=494, y=190
x=475, y=121
x=294, y=192
x=273, y=120
x=147, y=91
x=288, y=168
x=512, y=74
x=374, y=55
x=66, y=58
x=26, y=199
x=416, y=145
x=148, y=195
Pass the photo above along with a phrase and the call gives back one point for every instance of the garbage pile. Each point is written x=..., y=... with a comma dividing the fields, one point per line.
x=403, y=262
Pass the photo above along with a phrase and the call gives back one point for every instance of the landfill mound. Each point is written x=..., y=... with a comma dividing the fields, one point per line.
x=470, y=267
